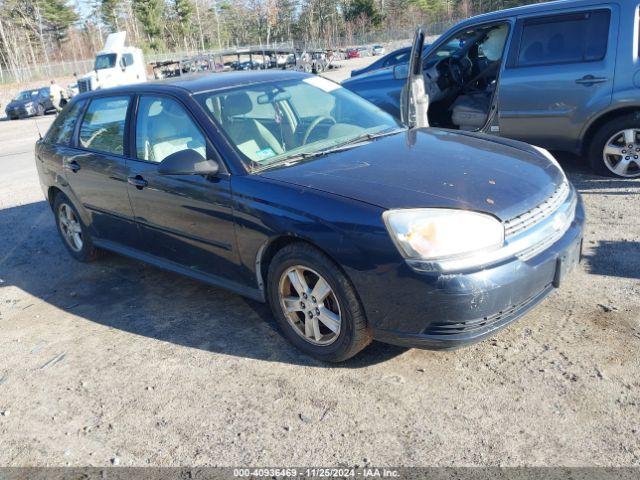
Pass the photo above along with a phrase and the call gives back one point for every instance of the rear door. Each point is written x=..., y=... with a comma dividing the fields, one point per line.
x=558, y=72
x=96, y=171
x=183, y=219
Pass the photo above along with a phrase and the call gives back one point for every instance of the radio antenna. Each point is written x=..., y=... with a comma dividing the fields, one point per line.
x=37, y=127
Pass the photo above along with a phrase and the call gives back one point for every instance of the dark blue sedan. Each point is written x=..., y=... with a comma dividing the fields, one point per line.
x=289, y=189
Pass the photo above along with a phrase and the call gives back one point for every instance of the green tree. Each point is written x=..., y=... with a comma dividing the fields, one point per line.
x=363, y=8
x=109, y=13
x=57, y=17
x=150, y=14
x=183, y=15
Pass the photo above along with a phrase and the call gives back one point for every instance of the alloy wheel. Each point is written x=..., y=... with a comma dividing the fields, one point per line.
x=621, y=153
x=70, y=227
x=310, y=305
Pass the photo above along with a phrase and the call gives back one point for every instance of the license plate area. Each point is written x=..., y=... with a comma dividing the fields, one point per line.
x=567, y=261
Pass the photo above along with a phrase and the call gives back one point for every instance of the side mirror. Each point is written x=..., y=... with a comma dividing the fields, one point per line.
x=187, y=162
x=401, y=72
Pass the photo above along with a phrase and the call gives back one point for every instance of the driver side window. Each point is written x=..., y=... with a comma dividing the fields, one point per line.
x=163, y=127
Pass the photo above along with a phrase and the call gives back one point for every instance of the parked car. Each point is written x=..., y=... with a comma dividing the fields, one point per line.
x=396, y=57
x=29, y=103
x=287, y=188
x=561, y=75
x=377, y=50
x=353, y=53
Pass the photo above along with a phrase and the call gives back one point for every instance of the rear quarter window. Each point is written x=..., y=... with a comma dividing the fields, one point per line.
x=571, y=38
x=61, y=131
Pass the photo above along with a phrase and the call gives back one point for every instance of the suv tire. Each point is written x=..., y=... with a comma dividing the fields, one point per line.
x=303, y=318
x=606, y=135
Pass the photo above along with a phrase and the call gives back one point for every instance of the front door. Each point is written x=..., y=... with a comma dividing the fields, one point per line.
x=96, y=171
x=559, y=71
x=184, y=219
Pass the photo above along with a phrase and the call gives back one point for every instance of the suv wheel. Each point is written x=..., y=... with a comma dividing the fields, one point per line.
x=40, y=110
x=315, y=304
x=75, y=235
x=615, y=149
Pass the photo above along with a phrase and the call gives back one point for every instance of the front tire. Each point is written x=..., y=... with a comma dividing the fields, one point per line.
x=75, y=236
x=40, y=110
x=615, y=149
x=315, y=304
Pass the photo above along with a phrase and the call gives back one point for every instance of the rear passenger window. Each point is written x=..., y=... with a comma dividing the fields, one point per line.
x=580, y=37
x=102, y=127
x=61, y=130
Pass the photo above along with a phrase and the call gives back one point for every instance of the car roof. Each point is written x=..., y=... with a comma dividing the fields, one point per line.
x=533, y=8
x=204, y=82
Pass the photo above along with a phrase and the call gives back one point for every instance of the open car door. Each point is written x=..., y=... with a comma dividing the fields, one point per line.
x=414, y=101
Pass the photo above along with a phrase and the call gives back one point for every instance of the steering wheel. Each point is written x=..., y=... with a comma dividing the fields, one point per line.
x=314, y=124
x=456, y=71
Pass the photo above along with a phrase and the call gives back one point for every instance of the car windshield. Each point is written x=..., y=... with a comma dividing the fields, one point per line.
x=107, y=60
x=26, y=95
x=274, y=122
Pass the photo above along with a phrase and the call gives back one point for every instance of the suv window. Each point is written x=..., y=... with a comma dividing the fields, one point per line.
x=102, y=127
x=61, y=130
x=164, y=127
x=402, y=57
x=580, y=37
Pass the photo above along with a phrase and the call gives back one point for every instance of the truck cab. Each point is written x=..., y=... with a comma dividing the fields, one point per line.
x=115, y=65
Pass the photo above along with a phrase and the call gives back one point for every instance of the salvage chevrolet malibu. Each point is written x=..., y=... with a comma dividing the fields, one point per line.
x=287, y=188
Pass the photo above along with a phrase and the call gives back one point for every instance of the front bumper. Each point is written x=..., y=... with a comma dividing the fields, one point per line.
x=447, y=311
x=20, y=112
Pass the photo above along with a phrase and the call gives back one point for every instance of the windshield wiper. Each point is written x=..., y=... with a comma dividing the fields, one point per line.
x=351, y=143
x=372, y=136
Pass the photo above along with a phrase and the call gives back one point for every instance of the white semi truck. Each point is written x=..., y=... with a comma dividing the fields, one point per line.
x=115, y=65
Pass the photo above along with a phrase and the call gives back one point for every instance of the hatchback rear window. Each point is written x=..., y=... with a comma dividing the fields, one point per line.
x=61, y=130
x=580, y=37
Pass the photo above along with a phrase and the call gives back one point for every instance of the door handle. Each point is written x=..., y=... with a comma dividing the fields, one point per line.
x=71, y=165
x=590, y=80
x=138, y=182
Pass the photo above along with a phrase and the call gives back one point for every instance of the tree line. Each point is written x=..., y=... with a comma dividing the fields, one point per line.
x=33, y=32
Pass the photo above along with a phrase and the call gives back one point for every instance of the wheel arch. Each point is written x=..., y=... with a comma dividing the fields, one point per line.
x=268, y=251
x=52, y=192
x=597, y=123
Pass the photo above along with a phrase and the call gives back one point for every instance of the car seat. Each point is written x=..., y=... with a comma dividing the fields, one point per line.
x=251, y=137
x=469, y=112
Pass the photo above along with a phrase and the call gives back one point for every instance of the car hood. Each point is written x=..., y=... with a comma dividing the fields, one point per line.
x=18, y=103
x=367, y=75
x=433, y=168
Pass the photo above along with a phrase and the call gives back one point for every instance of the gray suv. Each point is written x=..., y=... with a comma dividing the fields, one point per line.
x=562, y=75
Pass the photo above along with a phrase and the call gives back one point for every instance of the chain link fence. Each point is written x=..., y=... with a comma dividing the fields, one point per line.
x=45, y=72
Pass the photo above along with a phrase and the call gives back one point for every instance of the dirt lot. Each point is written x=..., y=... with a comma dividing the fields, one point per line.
x=116, y=362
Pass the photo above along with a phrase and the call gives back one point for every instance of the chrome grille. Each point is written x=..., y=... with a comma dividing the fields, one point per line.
x=84, y=85
x=528, y=219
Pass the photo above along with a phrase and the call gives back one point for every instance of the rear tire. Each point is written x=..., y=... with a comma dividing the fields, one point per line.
x=73, y=233
x=612, y=137
x=331, y=327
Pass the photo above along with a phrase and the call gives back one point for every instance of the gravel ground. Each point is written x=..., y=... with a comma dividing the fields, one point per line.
x=120, y=363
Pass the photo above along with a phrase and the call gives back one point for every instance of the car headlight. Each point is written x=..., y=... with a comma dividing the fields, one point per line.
x=28, y=104
x=438, y=238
